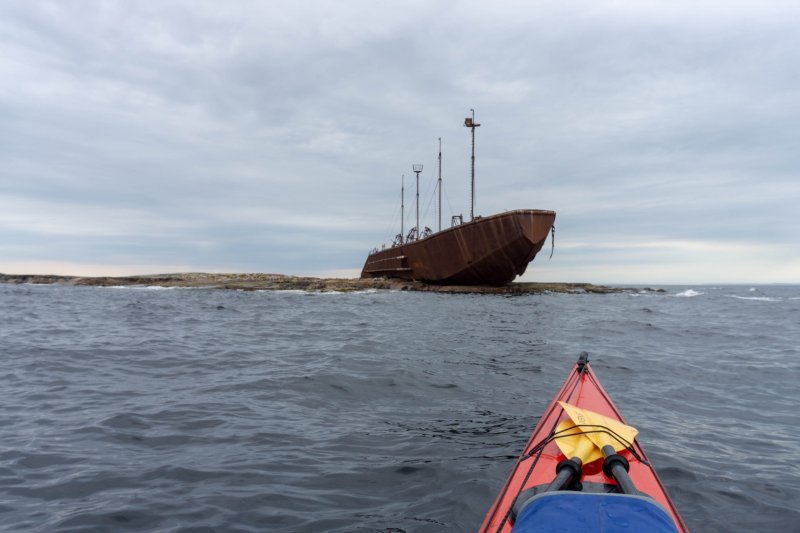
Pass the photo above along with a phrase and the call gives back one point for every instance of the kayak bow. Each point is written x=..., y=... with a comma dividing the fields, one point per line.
x=582, y=470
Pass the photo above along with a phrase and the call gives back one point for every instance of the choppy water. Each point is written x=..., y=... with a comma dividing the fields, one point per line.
x=203, y=410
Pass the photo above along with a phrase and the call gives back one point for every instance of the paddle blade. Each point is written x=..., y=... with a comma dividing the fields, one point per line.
x=584, y=417
x=573, y=443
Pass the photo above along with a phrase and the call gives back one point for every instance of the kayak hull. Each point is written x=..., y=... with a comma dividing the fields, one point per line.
x=536, y=467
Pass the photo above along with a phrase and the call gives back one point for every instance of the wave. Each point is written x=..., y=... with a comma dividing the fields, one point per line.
x=282, y=291
x=755, y=298
x=315, y=292
x=689, y=293
x=364, y=291
x=146, y=287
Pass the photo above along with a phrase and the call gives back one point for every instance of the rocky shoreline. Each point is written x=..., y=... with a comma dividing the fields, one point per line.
x=260, y=282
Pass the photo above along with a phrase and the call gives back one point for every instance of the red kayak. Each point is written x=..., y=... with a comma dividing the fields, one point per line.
x=583, y=470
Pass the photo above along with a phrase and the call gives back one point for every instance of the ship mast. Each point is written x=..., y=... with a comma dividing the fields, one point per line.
x=440, y=184
x=470, y=123
x=417, y=168
x=402, y=206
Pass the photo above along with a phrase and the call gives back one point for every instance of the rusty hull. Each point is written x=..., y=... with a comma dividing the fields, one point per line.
x=489, y=250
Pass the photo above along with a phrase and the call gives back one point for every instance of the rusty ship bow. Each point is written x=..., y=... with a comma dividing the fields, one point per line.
x=490, y=250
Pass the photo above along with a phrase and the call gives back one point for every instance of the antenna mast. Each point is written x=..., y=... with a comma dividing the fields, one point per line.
x=470, y=123
x=417, y=168
x=402, y=205
x=440, y=184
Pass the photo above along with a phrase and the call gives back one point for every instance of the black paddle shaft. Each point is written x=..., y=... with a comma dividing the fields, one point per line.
x=616, y=466
x=567, y=471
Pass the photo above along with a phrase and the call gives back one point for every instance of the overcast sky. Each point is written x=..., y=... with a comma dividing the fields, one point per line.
x=271, y=136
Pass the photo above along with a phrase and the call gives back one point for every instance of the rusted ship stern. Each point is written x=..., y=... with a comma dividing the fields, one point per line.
x=490, y=250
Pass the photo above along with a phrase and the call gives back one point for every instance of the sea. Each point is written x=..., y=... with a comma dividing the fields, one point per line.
x=151, y=409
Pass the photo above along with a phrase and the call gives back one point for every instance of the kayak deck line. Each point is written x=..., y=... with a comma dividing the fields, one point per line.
x=580, y=368
x=543, y=468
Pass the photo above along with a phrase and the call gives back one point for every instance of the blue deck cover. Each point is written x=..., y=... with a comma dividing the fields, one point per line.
x=568, y=511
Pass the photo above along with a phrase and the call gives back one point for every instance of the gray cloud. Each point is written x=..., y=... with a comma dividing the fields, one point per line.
x=272, y=136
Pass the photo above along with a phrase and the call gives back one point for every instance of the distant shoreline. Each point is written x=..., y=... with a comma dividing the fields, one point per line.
x=254, y=282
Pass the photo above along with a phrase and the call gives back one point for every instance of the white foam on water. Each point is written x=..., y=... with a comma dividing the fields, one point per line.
x=689, y=293
x=365, y=291
x=755, y=298
x=145, y=287
x=283, y=291
x=313, y=292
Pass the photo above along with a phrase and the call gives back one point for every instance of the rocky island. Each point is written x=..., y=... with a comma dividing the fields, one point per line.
x=260, y=282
